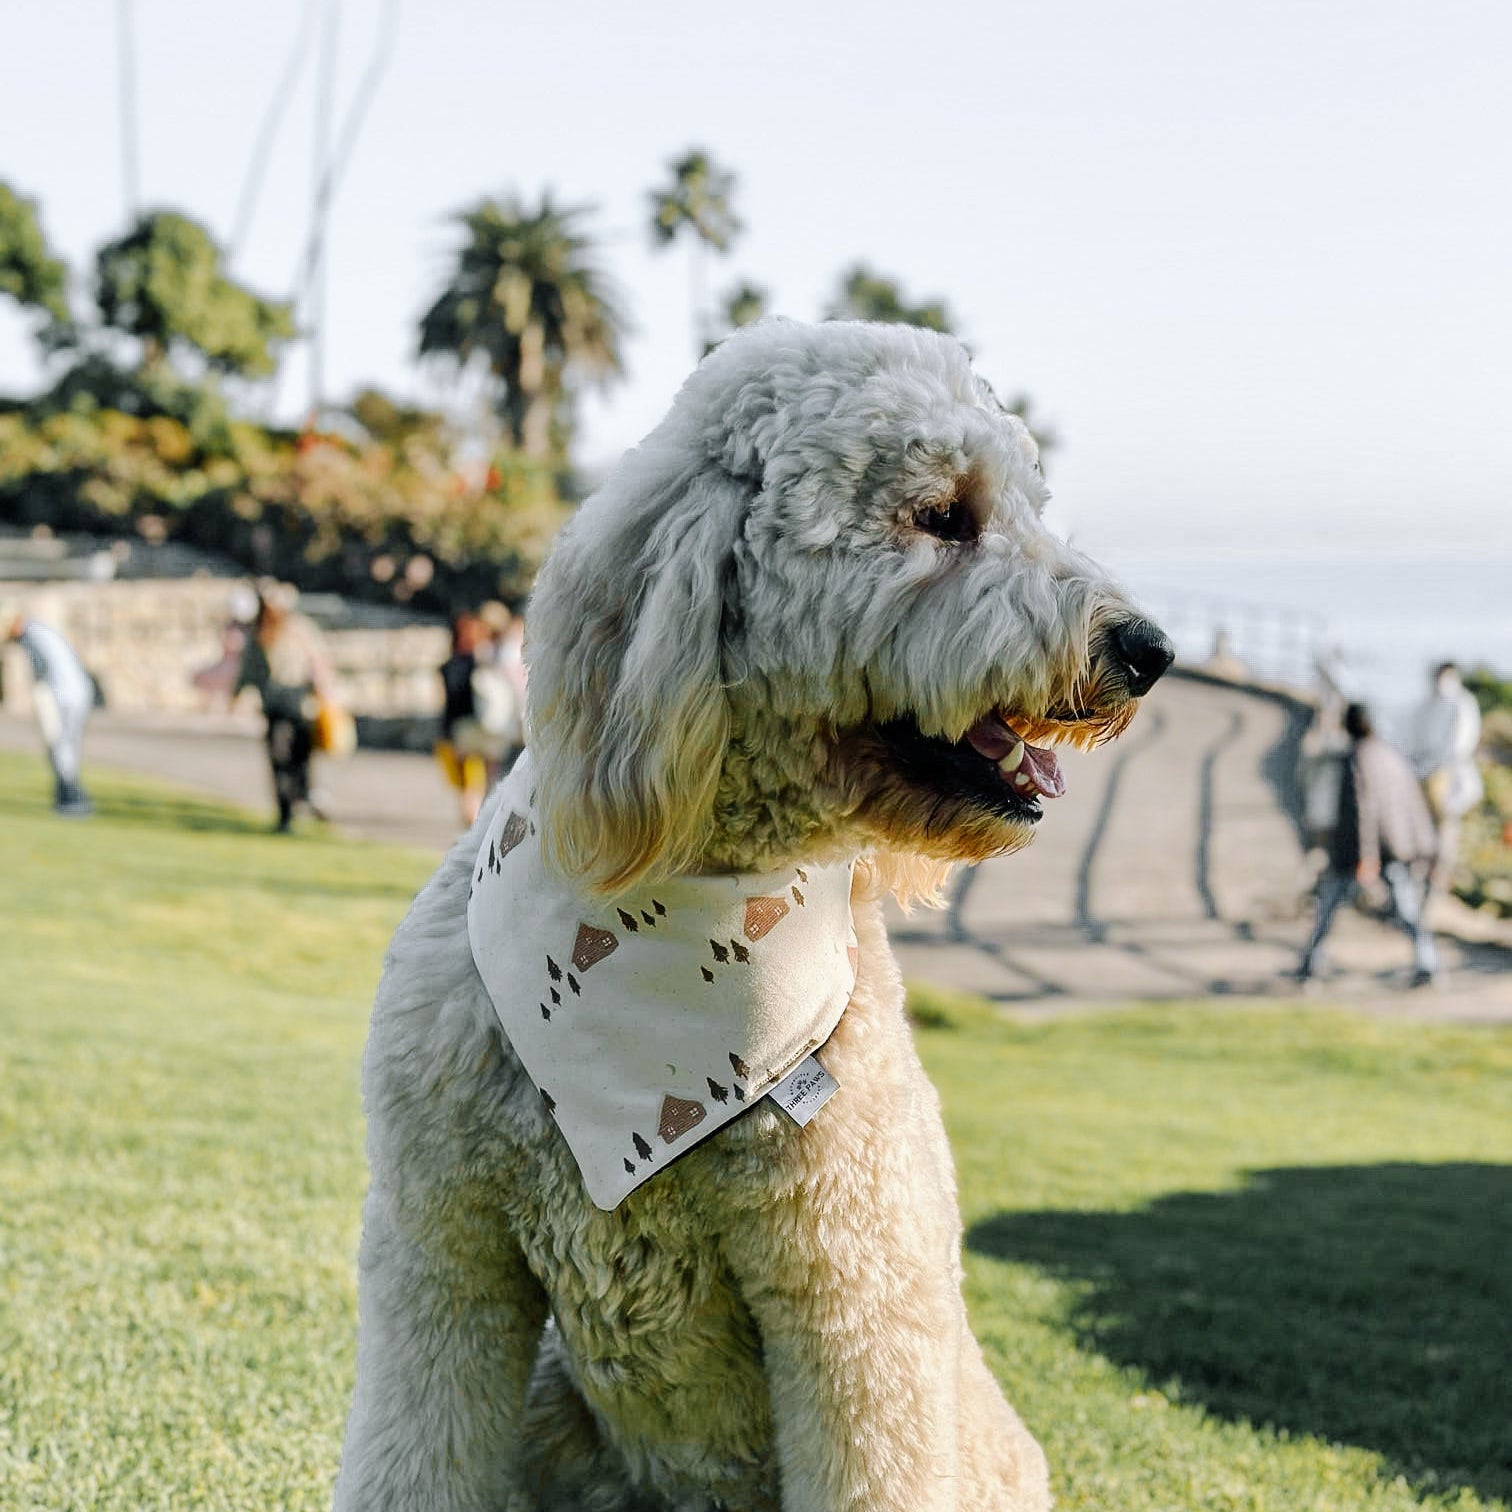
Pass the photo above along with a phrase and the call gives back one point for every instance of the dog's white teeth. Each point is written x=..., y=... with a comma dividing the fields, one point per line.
x=1022, y=780
x=1010, y=763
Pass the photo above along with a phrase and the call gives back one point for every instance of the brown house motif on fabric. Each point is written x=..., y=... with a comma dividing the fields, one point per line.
x=513, y=832
x=678, y=1115
x=762, y=916
x=591, y=946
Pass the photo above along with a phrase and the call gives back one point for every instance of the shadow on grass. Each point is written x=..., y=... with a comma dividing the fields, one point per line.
x=1366, y=1304
x=169, y=811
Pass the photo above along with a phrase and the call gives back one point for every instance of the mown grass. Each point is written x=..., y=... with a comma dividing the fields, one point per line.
x=1221, y=1258
x=1242, y=1258
x=182, y=1004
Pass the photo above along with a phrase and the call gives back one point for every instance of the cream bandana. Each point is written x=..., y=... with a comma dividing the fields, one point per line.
x=651, y=1020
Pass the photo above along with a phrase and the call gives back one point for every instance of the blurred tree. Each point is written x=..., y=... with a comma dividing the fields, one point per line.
x=866, y=295
x=524, y=297
x=1045, y=435
x=744, y=305
x=164, y=284
x=392, y=422
x=29, y=273
x=92, y=383
x=697, y=201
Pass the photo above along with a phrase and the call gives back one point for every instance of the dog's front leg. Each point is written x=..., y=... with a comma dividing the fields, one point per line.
x=853, y=1278
x=447, y=1334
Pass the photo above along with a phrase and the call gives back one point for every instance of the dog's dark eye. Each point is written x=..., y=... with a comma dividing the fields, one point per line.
x=948, y=522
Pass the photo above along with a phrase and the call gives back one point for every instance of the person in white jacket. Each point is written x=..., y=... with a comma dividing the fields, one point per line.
x=1445, y=733
x=63, y=696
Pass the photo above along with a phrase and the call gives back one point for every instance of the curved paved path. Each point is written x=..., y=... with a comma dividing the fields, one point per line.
x=1169, y=870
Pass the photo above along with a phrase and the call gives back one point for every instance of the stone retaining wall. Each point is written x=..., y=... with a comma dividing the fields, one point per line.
x=145, y=639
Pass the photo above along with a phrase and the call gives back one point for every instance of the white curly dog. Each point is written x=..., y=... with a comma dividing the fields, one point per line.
x=812, y=626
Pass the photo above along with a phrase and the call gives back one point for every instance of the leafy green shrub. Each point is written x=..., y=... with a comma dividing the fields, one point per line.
x=384, y=520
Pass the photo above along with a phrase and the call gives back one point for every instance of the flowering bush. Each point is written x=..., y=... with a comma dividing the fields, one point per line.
x=384, y=520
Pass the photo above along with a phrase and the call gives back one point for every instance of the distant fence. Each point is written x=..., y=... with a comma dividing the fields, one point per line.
x=1264, y=642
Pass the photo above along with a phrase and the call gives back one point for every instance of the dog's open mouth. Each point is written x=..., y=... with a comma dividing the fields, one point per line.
x=996, y=765
x=1031, y=771
x=993, y=764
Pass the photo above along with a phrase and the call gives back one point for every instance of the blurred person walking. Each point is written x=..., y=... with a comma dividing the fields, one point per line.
x=285, y=662
x=1383, y=832
x=217, y=680
x=507, y=634
x=63, y=697
x=480, y=717
x=1446, y=730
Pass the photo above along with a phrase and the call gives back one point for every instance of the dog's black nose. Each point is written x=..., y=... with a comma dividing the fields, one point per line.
x=1142, y=647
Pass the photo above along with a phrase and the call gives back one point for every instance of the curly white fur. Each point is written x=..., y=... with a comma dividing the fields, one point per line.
x=719, y=646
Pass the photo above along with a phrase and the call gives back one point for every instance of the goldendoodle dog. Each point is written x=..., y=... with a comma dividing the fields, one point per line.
x=662, y=1212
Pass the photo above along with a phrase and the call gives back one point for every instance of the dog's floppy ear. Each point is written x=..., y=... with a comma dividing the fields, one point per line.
x=628, y=714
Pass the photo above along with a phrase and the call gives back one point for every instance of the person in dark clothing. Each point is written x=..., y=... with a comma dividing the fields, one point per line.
x=284, y=661
x=1384, y=831
x=479, y=713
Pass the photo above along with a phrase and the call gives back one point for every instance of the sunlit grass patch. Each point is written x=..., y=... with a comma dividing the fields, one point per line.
x=1222, y=1258
x=182, y=1005
x=1252, y=1259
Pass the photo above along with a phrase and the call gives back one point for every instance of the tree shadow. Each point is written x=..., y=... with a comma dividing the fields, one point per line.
x=1366, y=1304
x=1281, y=766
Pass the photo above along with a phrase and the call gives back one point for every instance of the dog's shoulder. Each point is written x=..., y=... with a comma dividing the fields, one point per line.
x=432, y=1024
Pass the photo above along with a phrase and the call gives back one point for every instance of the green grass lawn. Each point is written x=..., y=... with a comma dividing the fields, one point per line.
x=1222, y=1258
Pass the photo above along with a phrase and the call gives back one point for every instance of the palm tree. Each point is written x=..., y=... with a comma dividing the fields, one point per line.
x=744, y=305
x=698, y=201
x=867, y=295
x=525, y=298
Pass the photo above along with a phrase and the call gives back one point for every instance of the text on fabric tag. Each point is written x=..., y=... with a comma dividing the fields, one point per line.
x=803, y=1091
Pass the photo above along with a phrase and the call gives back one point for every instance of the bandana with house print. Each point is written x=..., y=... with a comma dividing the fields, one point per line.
x=650, y=1020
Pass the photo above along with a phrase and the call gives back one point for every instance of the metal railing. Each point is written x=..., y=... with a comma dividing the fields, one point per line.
x=1263, y=643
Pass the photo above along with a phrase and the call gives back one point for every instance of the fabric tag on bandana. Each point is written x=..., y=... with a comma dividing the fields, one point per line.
x=803, y=1091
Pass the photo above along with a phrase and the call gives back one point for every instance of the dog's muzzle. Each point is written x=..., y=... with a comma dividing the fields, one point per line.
x=1142, y=651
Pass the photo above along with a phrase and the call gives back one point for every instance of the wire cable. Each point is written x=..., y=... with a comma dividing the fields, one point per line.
x=267, y=132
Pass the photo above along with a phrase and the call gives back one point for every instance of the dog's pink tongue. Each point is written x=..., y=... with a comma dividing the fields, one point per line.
x=1036, y=770
x=1044, y=771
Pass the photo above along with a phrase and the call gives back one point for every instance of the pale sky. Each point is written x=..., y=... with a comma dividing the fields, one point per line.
x=1251, y=260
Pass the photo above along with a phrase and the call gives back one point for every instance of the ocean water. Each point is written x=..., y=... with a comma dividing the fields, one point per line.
x=1379, y=623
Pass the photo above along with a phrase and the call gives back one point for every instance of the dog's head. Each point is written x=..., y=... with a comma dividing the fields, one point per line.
x=817, y=610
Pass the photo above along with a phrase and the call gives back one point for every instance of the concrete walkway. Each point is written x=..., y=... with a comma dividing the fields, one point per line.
x=395, y=796
x=1169, y=870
